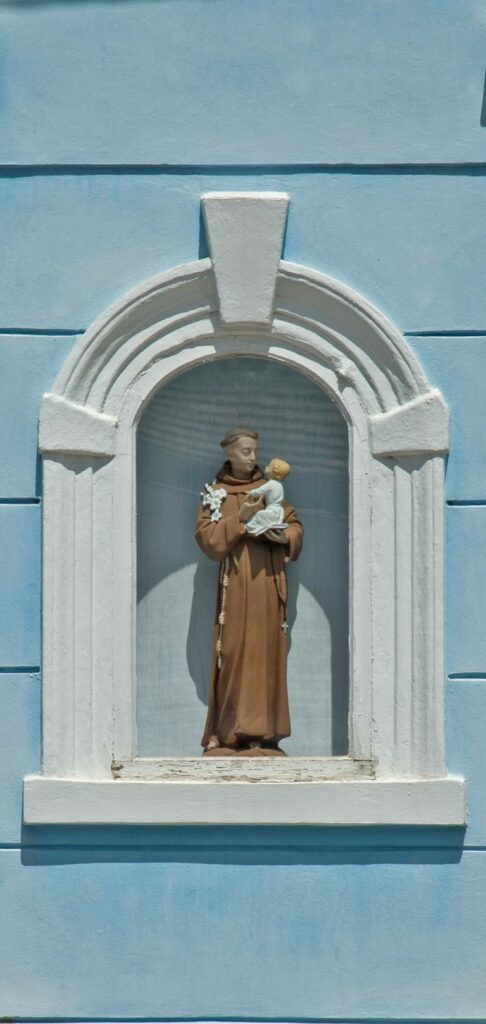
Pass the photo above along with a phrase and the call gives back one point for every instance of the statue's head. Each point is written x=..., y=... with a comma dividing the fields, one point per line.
x=240, y=446
x=277, y=469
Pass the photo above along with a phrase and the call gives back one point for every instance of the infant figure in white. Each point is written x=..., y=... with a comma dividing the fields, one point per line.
x=272, y=492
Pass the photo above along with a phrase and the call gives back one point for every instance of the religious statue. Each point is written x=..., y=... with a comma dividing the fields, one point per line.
x=248, y=711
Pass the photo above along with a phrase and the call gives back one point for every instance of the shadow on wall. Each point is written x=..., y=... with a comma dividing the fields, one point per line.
x=483, y=109
x=177, y=452
x=39, y=5
x=62, y=3
x=240, y=844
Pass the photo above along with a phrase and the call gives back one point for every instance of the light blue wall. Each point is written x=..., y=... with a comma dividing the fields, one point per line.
x=75, y=242
x=251, y=923
x=458, y=367
x=19, y=747
x=28, y=367
x=346, y=929
x=20, y=584
x=253, y=82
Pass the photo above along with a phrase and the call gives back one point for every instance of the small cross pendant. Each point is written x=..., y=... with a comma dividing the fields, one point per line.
x=285, y=627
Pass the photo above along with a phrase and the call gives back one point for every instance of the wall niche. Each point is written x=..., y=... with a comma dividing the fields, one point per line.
x=177, y=453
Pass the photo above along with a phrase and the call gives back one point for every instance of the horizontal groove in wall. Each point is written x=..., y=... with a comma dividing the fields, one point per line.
x=205, y=848
x=18, y=669
x=472, y=333
x=49, y=332
x=245, y=1020
x=450, y=169
x=473, y=503
x=67, y=332
x=42, y=331
x=19, y=501
x=481, y=676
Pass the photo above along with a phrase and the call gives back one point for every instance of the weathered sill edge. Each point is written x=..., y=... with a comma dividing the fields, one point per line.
x=241, y=769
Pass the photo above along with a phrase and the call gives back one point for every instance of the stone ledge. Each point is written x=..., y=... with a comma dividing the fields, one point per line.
x=49, y=800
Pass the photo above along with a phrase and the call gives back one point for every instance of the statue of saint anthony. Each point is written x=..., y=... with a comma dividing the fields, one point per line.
x=248, y=710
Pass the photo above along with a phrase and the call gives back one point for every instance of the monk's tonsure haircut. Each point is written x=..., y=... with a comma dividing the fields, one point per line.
x=232, y=435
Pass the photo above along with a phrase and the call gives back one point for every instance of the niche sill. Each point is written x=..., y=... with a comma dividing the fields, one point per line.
x=243, y=769
x=189, y=801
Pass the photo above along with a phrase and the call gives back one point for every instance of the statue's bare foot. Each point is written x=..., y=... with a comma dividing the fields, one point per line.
x=213, y=743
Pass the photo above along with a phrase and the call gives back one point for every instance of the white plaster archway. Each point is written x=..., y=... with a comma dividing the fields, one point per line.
x=244, y=301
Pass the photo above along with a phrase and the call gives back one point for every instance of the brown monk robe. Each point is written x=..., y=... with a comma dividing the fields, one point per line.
x=248, y=702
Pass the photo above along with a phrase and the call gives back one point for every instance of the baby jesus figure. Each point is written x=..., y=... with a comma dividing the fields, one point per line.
x=272, y=493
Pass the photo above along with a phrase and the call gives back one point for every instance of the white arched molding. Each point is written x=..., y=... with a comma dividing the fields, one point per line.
x=244, y=301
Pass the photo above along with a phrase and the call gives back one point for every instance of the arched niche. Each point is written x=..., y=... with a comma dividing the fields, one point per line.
x=244, y=302
x=177, y=452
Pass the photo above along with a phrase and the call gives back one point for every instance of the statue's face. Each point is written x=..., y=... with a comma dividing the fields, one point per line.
x=242, y=455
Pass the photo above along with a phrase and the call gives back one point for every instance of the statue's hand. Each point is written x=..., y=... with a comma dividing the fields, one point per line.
x=277, y=536
x=250, y=506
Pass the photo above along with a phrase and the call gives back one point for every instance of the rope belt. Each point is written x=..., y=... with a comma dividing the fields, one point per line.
x=223, y=582
x=224, y=571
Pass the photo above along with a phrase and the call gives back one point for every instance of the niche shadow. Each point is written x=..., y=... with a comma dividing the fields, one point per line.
x=48, y=845
x=203, y=248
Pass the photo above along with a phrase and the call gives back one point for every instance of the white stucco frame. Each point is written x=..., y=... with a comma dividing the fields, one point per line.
x=244, y=301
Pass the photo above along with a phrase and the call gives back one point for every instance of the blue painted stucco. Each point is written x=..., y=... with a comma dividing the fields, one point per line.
x=466, y=550
x=19, y=744
x=458, y=367
x=75, y=242
x=317, y=98
x=267, y=933
x=20, y=584
x=231, y=82
x=29, y=365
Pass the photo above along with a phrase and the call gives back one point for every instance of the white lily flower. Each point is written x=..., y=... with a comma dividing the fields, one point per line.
x=212, y=498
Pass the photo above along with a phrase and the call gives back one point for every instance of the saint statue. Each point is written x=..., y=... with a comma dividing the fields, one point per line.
x=248, y=710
